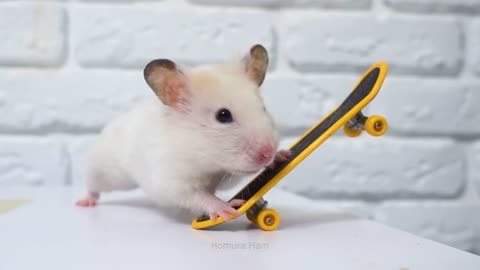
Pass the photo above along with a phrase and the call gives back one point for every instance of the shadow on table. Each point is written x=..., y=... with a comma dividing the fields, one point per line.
x=290, y=217
x=298, y=217
x=175, y=214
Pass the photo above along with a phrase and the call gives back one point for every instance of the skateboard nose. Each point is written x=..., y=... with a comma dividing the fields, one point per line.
x=265, y=154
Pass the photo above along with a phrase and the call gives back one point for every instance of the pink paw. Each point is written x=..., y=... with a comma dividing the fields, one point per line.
x=236, y=203
x=87, y=202
x=90, y=200
x=226, y=210
x=281, y=156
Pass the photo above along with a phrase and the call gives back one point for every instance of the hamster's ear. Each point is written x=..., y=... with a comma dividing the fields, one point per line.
x=256, y=63
x=168, y=83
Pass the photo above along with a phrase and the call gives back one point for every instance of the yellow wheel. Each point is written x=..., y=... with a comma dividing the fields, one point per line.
x=268, y=219
x=252, y=218
x=376, y=125
x=351, y=132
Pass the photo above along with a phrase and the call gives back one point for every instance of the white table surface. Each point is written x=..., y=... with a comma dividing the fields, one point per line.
x=126, y=232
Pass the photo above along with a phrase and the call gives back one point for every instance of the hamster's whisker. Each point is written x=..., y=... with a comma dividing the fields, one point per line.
x=230, y=177
x=223, y=178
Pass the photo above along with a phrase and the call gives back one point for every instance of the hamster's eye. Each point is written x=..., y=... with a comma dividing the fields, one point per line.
x=224, y=116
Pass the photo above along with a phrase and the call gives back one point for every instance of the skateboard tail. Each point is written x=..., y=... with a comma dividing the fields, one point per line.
x=383, y=67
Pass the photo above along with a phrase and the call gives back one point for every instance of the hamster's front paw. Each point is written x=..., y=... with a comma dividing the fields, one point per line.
x=280, y=156
x=225, y=210
x=89, y=201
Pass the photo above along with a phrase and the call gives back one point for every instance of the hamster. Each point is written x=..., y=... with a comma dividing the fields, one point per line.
x=204, y=128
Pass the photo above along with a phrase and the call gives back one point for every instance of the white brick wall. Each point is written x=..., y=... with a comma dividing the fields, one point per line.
x=67, y=67
x=421, y=45
x=381, y=169
x=26, y=160
x=435, y=6
x=32, y=35
x=128, y=37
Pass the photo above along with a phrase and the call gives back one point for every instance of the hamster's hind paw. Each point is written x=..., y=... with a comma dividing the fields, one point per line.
x=89, y=201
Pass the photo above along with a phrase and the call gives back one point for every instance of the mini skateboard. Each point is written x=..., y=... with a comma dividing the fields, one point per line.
x=348, y=114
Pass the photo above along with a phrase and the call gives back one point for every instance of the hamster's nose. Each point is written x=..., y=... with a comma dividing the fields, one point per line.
x=265, y=154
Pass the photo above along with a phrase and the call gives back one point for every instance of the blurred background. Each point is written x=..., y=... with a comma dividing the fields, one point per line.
x=68, y=67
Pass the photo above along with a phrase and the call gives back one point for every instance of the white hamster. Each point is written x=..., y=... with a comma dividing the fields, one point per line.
x=204, y=126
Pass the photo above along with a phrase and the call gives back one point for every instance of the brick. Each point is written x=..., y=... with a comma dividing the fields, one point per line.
x=454, y=224
x=131, y=37
x=32, y=162
x=380, y=168
x=296, y=103
x=412, y=106
x=32, y=35
x=79, y=149
x=424, y=106
x=345, y=4
x=474, y=169
x=116, y=1
x=66, y=101
x=435, y=6
x=475, y=46
x=418, y=46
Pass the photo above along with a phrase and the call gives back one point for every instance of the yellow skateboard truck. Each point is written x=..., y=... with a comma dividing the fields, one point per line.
x=347, y=115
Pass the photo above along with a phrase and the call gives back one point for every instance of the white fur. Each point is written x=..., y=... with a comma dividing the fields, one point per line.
x=179, y=159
